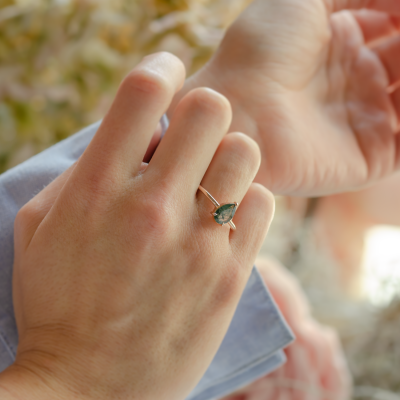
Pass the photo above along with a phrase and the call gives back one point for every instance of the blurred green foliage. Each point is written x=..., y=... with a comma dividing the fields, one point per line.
x=62, y=61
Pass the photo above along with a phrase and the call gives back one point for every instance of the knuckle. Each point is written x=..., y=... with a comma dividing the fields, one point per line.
x=158, y=216
x=148, y=83
x=211, y=102
x=26, y=219
x=241, y=146
x=24, y=216
x=100, y=186
x=92, y=200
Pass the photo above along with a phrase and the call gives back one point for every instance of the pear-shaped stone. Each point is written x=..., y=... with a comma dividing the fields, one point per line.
x=225, y=213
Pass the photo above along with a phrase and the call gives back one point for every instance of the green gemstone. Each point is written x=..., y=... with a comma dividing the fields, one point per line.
x=225, y=213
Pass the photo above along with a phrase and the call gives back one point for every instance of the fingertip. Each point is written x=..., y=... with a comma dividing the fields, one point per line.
x=263, y=198
x=159, y=62
x=158, y=76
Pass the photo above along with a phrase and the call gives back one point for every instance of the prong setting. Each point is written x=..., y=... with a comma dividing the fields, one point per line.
x=223, y=213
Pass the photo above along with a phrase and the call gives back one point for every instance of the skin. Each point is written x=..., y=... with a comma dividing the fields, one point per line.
x=313, y=82
x=100, y=313
x=310, y=84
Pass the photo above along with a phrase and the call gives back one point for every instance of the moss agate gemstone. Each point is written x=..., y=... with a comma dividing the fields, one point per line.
x=225, y=213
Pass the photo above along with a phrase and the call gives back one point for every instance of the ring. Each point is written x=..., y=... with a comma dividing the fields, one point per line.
x=223, y=213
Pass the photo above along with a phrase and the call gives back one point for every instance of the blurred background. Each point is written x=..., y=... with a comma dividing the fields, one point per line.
x=61, y=62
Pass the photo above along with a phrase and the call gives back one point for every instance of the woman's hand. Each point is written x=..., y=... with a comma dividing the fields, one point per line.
x=124, y=285
x=308, y=81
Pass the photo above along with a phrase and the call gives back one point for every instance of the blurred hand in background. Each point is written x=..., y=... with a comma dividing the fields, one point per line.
x=314, y=82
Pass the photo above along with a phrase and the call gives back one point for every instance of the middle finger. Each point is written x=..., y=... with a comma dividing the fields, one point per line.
x=199, y=123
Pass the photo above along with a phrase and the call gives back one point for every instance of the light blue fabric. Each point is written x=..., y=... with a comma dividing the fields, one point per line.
x=253, y=343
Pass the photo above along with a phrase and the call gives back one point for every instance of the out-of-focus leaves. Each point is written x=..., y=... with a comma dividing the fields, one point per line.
x=61, y=61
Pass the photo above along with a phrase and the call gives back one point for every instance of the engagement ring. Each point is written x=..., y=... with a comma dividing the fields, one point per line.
x=223, y=213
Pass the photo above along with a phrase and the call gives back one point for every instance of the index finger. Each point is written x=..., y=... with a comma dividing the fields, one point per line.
x=117, y=150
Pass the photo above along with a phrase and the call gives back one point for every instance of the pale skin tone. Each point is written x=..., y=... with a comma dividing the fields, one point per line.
x=100, y=313
x=311, y=92
x=305, y=83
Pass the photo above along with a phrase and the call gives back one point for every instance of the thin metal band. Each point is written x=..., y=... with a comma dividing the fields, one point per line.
x=216, y=204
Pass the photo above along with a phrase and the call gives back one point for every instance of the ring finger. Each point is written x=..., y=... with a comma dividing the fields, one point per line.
x=229, y=176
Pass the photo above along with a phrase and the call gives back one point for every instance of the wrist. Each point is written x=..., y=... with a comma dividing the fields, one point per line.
x=30, y=378
x=42, y=375
x=17, y=383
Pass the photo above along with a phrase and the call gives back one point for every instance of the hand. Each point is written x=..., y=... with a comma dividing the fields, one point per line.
x=304, y=82
x=315, y=367
x=124, y=286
